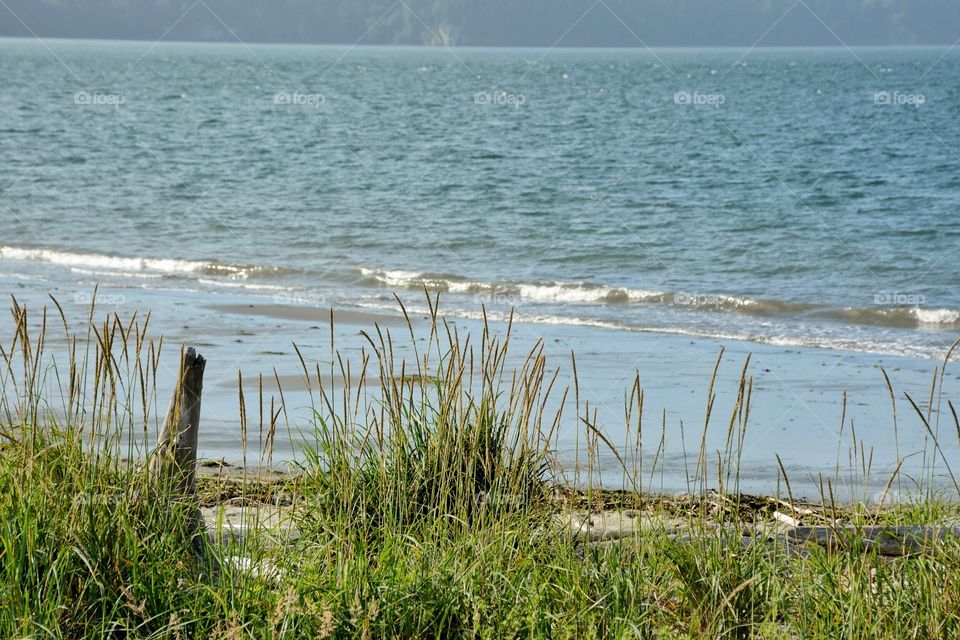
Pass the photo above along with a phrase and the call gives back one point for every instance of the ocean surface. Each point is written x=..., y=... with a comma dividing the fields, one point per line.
x=800, y=200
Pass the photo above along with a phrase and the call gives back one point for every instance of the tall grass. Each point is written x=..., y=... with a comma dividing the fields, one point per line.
x=446, y=440
x=429, y=505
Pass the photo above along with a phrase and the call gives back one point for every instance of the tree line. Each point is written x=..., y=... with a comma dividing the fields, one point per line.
x=614, y=23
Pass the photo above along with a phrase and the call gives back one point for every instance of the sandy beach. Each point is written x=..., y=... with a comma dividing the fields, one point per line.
x=364, y=319
x=798, y=394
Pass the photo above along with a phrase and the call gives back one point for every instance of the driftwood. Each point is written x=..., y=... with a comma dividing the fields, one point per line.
x=173, y=465
x=175, y=459
x=794, y=540
x=887, y=541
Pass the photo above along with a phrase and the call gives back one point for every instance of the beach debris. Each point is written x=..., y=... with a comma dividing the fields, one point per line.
x=271, y=524
x=175, y=458
x=886, y=541
x=173, y=463
x=759, y=521
x=263, y=569
x=783, y=518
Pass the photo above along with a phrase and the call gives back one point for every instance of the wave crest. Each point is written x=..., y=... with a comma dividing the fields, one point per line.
x=133, y=266
x=585, y=293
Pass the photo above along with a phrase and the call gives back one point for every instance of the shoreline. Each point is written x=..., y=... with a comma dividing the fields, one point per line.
x=237, y=506
x=221, y=483
x=313, y=314
x=798, y=394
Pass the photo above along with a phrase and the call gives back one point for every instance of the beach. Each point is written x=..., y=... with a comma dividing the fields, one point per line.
x=798, y=395
x=400, y=341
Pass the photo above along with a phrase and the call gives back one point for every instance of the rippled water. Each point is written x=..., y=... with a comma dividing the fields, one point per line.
x=793, y=197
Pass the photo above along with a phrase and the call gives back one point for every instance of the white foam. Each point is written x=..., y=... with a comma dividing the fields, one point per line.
x=115, y=263
x=461, y=287
x=808, y=342
x=580, y=292
x=242, y=285
x=568, y=292
x=396, y=278
x=561, y=293
x=111, y=274
x=414, y=279
x=936, y=316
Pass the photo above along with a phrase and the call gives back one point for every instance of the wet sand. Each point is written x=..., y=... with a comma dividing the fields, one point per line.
x=314, y=314
x=296, y=382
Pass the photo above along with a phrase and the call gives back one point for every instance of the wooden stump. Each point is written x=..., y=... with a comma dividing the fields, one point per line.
x=173, y=465
x=175, y=459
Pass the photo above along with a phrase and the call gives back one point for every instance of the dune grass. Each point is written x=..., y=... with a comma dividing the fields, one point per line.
x=426, y=508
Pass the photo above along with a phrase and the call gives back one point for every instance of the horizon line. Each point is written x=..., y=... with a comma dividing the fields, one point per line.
x=239, y=42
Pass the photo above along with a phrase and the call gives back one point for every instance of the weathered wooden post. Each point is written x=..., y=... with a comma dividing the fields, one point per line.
x=174, y=463
x=175, y=458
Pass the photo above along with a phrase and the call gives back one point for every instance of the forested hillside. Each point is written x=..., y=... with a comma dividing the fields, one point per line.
x=496, y=22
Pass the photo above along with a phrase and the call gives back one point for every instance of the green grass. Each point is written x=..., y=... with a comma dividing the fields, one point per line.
x=426, y=510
